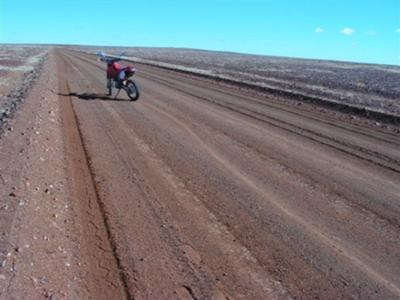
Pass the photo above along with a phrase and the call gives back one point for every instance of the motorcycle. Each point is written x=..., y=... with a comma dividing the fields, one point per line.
x=115, y=80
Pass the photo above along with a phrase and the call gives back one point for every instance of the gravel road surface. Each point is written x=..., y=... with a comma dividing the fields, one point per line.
x=202, y=191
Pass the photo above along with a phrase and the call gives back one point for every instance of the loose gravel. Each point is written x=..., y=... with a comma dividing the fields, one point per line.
x=31, y=71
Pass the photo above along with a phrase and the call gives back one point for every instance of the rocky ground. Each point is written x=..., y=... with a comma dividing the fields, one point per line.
x=42, y=244
x=19, y=67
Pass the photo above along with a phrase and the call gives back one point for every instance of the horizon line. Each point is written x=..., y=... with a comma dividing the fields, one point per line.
x=210, y=50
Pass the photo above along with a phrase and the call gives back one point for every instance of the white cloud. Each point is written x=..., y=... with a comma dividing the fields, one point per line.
x=319, y=30
x=398, y=30
x=347, y=31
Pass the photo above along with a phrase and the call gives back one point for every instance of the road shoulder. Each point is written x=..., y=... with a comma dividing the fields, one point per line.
x=43, y=249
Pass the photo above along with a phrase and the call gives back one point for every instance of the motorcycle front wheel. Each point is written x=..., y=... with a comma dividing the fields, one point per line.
x=132, y=90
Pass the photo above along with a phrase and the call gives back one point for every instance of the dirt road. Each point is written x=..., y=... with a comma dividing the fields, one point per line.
x=207, y=192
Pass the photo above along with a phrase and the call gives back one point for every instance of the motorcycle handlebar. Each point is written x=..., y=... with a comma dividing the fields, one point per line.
x=109, y=60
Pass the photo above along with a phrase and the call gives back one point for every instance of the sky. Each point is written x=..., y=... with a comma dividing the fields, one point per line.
x=348, y=30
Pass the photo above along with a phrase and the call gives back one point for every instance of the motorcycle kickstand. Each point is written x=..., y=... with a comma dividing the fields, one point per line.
x=115, y=97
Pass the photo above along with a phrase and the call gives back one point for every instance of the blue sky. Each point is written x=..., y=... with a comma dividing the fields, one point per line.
x=352, y=30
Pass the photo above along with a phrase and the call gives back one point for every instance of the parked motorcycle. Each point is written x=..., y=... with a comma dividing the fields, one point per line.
x=120, y=77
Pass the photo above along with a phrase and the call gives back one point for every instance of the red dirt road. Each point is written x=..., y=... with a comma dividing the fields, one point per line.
x=202, y=191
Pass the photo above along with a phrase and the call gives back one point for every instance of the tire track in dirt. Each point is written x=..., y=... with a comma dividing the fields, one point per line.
x=267, y=102
x=123, y=122
x=246, y=123
x=84, y=189
x=349, y=148
x=123, y=155
x=168, y=79
x=221, y=232
x=340, y=249
x=324, y=237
